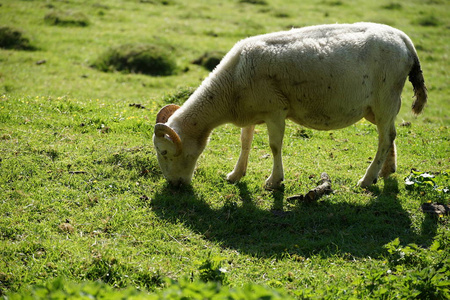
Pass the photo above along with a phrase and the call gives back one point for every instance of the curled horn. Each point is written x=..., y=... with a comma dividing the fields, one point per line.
x=162, y=130
x=165, y=113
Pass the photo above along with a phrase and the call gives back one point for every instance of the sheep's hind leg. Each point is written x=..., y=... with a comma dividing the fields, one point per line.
x=390, y=164
x=241, y=165
x=276, y=133
x=385, y=156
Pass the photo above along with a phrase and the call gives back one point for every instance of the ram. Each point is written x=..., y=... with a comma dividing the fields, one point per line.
x=323, y=77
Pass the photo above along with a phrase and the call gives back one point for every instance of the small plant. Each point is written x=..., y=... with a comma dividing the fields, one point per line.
x=419, y=180
x=408, y=255
x=428, y=279
x=211, y=269
x=425, y=182
x=105, y=268
x=147, y=59
x=67, y=18
x=12, y=38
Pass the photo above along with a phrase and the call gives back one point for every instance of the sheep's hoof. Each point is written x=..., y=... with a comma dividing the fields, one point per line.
x=234, y=177
x=364, y=183
x=273, y=186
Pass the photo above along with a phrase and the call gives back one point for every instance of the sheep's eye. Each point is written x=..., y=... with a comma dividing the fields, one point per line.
x=164, y=152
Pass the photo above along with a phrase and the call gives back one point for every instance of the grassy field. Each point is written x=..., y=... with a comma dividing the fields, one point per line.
x=83, y=199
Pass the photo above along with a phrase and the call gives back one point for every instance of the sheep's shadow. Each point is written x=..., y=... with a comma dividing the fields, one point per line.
x=327, y=227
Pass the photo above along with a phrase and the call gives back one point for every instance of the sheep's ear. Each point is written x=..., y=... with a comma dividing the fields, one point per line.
x=165, y=113
x=161, y=130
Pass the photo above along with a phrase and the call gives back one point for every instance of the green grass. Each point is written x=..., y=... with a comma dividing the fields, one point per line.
x=82, y=196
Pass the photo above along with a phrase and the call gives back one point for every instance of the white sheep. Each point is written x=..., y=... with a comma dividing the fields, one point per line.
x=322, y=77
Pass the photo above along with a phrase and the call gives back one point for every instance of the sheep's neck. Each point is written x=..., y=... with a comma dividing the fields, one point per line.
x=204, y=111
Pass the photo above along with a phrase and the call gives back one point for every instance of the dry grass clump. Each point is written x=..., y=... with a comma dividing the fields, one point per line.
x=147, y=59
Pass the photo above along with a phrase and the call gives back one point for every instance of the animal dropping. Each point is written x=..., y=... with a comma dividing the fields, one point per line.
x=322, y=77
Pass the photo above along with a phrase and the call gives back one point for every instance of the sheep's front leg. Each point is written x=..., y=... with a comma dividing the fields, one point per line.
x=241, y=165
x=276, y=134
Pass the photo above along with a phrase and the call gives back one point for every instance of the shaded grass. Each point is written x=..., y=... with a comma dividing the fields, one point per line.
x=328, y=228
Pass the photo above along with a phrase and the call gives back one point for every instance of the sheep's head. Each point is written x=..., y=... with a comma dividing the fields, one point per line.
x=177, y=162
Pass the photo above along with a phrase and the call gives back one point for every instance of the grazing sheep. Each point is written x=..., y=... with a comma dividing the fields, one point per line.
x=322, y=77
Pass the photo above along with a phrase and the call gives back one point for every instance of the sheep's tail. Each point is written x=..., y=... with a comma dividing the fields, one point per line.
x=420, y=90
